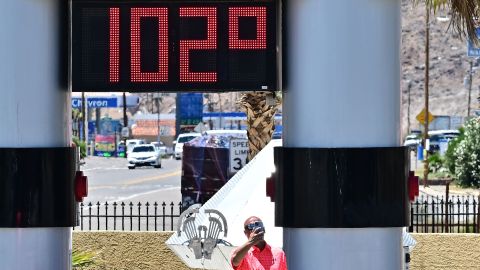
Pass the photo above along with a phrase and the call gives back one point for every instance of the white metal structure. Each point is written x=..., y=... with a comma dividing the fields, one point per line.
x=34, y=112
x=344, y=91
x=241, y=197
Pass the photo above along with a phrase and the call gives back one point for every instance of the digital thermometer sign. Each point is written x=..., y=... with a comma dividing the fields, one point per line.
x=174, y=46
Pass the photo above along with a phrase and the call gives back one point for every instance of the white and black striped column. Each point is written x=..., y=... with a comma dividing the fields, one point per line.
x=341, y=190
x=37, y=200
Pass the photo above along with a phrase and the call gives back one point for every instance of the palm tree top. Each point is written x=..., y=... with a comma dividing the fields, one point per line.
x=464, y=15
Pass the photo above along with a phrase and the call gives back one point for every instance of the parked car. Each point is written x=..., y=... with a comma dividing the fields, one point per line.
x=161, y=147
x=132, y=143
x=183, y=138
x=439, y=138
x=412, y=141
x=144, y=155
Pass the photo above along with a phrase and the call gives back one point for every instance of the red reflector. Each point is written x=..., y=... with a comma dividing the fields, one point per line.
x=81, y=186
x=271, y=188
x=413, y=186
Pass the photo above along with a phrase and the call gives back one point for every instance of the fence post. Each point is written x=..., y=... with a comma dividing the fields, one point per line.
x=114, y=215
x=147, y=205
x=163, y=214
x=81, y=216
x=89, y=216
x=467, y=214
x=131, y=216
x=171, y=215
x=139, y=215
x=478, y=214
x=155, y=208
x=447, y=190
x=123, y=216
x=458, y=213
x=106, y=215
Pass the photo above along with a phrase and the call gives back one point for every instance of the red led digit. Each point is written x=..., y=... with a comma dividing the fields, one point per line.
x=136, y=74
x=114, y=44
x=205, y=44
x=250, y=44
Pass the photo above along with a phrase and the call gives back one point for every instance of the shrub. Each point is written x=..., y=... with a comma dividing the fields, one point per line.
x=467, y=155
x=435, y=162
x=449, y=159
x=81, y=144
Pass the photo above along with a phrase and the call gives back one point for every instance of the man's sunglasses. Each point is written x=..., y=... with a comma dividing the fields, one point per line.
x=253, y=225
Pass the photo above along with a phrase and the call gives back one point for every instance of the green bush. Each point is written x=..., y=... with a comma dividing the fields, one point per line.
x=82, y=145
x=449, y=159
x=435, y=162
x=467, y=156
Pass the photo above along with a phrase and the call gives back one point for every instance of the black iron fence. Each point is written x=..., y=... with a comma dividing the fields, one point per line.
x=458, y=214
x=128, y=216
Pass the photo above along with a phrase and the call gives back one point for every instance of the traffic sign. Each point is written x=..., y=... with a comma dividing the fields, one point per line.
x=238, y=154
x=421, y=117
x=472, y=50
x=125, y=132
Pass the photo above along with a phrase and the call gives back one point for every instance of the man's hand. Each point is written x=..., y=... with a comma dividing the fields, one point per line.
x=256, y=236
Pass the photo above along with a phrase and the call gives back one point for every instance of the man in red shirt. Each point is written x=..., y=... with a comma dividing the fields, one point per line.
x=256, y=254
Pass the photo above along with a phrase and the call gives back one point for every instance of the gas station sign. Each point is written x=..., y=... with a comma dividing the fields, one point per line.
x=173, y=46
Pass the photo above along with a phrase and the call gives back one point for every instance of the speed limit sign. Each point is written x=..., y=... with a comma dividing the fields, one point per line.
x=238, y=154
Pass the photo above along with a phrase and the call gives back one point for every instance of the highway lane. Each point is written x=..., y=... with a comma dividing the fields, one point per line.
x=110, y=180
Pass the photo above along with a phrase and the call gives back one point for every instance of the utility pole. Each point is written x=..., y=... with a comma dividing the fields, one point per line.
x=125, y=120
x=427, y=68
x=470, y=82
x=158, y=116
x=84, y=119
x=409, y=87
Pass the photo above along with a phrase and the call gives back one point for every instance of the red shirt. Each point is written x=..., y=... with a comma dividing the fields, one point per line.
x=267, y=259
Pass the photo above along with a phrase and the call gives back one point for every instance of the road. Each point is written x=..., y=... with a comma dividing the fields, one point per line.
x=110, y=180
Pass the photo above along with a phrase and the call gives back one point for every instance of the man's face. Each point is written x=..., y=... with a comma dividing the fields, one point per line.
x=251, y=226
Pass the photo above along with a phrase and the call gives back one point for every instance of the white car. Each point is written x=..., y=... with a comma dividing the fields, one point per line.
x=144, y=155
x=130, y=144
x=412, y=141
x=161, y=147
x=183, y=138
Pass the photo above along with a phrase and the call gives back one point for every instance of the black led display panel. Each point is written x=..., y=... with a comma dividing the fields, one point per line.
x=174, y=46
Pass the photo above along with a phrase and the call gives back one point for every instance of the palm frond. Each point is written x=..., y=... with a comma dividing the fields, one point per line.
x=80, y=259
x=464, y=15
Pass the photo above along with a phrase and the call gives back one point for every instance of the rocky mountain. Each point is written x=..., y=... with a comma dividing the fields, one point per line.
x=449, y=65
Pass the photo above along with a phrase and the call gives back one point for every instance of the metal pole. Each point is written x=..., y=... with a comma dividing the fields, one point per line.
x=125, y=119
x=84, y=119
x=447, y=194
x=470, y=87
x=427, y=68
x=158, y=117
x=408, y=108
x=323, y=108
x=36, y=108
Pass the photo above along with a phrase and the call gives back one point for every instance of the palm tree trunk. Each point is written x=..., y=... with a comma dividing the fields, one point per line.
x=260, y=120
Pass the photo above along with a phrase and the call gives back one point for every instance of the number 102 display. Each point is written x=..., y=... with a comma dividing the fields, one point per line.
x=150, y=46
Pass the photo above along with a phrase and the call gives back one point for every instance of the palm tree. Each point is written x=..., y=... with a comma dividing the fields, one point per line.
x=260, y=108
x=463, y=21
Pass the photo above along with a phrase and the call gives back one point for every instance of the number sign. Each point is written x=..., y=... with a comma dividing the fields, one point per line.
x=173, y=46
